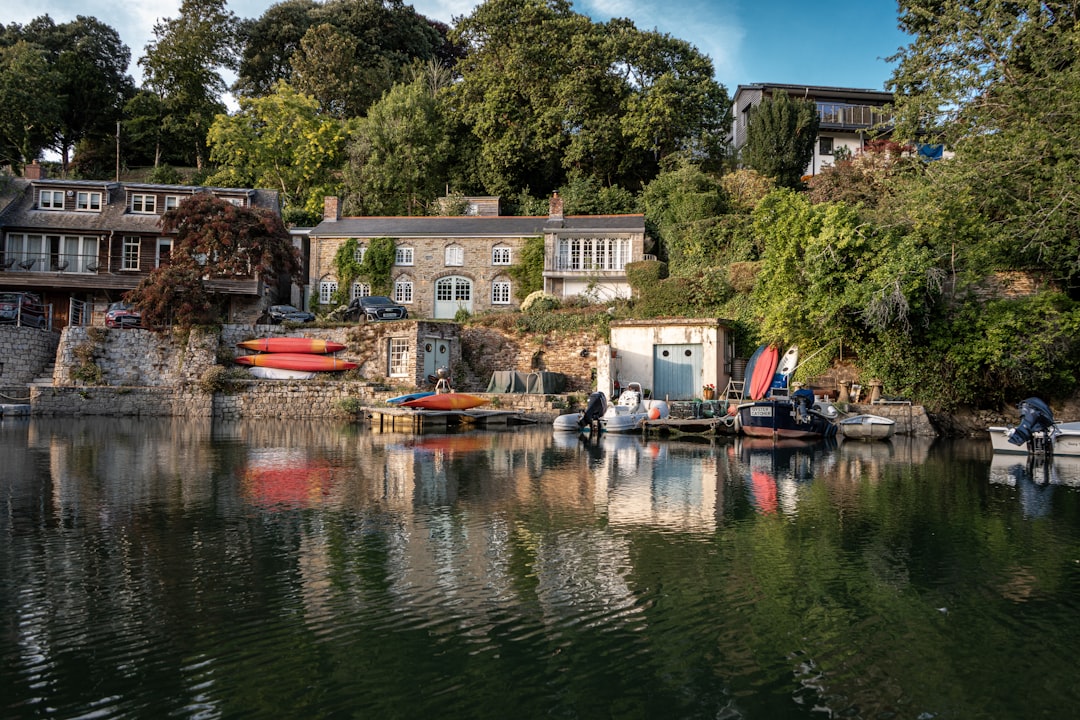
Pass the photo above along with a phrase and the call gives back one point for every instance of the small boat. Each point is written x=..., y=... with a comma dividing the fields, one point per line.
x=445, y=401
x=292, y=345
x=297, y=361
x=269, y=373
x=867, y=427
x=1037, y=433
x=625, y=416
x=406, y=398
x=796, y=417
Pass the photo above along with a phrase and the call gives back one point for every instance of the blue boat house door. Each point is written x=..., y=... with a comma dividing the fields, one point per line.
x=677, y=371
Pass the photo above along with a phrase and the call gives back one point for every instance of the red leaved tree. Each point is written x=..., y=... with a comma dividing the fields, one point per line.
x=214, y=239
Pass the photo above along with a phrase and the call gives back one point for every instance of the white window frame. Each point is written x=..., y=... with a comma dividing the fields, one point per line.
x=162, y=242
x=238, y=202
x=359, y=290
x=86, y=201
x=132, y=245
x=359, y=252
x=454, y=256
x=403, y=292
x=403, y=256
x=500, y=255
x=52, y=202
x=171, y=202
x=143, y=204
x=593, y=254
x=500, y=292
x=327, y=288
x=398, y=357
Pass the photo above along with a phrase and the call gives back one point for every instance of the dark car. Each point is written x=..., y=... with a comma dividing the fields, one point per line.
x=23, y=308
x=122, y=315
x=376, y=307
x=288, y=313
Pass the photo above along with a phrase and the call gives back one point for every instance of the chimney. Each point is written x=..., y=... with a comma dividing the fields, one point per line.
x=555, y=207
x=331, y=209
x=33, y=171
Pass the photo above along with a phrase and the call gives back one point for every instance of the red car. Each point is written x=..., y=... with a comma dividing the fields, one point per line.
x=122, y=315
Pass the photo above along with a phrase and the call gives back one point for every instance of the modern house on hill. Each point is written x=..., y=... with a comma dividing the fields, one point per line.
x=82, y=244
x=849, y=117
x=452, y=263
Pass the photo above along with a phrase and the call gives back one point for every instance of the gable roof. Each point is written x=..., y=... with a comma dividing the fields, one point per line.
x=475, y=226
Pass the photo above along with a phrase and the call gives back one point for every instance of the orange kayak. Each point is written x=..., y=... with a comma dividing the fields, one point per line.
x=291, y=345
x=446, y=401
x=297, y=361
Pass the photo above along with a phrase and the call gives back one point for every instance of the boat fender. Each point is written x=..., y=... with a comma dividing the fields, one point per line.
x=728, y=420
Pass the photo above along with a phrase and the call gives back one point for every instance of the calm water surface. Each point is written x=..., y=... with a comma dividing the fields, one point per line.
x=315, y=570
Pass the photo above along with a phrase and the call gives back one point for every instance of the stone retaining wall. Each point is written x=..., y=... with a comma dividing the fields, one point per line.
x=910, y=419
x=24, y=352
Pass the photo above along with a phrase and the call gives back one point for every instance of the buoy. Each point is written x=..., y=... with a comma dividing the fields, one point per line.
x=654, y=414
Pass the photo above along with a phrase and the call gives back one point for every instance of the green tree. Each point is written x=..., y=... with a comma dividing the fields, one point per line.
x=28, y=111
x=528, y=272
x=681, y=208
x=780, y=138
x=280, y=141
x=397, y=162
x=183, y=66
x=998, y=83
x=213, y=239
x=88, y=78
x=268, y=44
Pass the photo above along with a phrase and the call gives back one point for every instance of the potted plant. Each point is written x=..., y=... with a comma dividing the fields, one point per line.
x=708, y=391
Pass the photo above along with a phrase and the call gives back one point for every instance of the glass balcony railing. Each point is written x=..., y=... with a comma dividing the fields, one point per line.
x=852, y=116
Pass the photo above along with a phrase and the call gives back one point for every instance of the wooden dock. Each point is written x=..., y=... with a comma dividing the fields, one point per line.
x=687, y=426
x=390, y=419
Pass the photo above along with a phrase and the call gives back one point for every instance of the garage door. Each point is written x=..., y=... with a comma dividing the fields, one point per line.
x=677, y=371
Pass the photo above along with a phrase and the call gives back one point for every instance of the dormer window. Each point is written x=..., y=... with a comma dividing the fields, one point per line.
x=239, y=202
x=88, y=201
x=171, y=202
x=145, y=204
x=51, y=200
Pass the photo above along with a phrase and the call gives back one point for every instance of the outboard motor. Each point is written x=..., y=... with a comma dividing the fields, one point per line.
x=594, y=410
x=803, y=400
x=1035, y=416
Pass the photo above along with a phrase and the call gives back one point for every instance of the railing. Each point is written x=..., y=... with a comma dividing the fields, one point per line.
x=862, y=116
x=79, y=312
x=49, y=263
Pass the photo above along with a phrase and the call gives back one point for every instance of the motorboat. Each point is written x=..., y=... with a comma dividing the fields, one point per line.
x=867, y=427
x=796, y=417
x=626, y=415
x=1037, y=433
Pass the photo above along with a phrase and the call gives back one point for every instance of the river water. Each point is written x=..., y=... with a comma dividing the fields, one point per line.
x=189, y=569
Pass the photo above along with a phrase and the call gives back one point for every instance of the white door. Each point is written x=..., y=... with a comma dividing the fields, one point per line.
x=452, y=294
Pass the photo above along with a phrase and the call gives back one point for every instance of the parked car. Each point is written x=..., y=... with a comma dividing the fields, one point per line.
x=122, y=315
x=288, y=313
x=23, y=308
x=375, y=307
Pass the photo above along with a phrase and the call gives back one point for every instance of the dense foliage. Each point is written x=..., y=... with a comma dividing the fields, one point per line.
x=213, y=239
x=780, y=138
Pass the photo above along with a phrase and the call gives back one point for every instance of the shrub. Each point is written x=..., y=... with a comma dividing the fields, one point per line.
x=539, y=302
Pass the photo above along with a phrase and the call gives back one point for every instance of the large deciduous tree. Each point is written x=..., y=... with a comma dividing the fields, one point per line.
x=281, y=141
x=29, y=112
x=268, y=44
x=87, y=77
x=397, y=163
x=1000, y=84
x=780, y=138
x=183, y=66
x=213, y=239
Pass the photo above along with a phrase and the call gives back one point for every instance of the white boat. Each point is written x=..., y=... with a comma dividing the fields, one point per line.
x=1064, y=439
x=625, y=416
x=867, y=427
x=269, y=373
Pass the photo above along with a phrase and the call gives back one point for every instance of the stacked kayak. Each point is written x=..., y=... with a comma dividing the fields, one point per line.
x=292, y=357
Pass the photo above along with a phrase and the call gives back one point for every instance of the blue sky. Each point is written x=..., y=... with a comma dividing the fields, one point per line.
x=799, y=42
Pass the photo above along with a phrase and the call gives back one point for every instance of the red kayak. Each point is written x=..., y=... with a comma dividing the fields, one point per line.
x=446, y=401
x=291, y=345
x=297, y=361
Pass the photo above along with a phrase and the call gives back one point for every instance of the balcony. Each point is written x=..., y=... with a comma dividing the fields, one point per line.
x=841, y=116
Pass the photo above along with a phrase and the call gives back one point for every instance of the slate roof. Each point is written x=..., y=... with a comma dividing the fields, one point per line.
x=21, y=212
x=475, y=226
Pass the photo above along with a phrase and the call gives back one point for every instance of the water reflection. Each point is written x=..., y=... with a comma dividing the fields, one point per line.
x=197, y=569
x=1035, y=478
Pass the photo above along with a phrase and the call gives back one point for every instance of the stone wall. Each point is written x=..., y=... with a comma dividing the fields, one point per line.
x=24, y=353
x=910, y=419
x=134, y=358
x=486, y=350
x=184, y=401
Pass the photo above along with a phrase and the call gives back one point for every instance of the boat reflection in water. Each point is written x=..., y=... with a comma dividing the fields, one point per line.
x=774, y=470
x=1035, y=478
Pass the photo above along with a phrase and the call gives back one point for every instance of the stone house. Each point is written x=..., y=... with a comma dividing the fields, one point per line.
x=449, y=263
x=82, y=244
